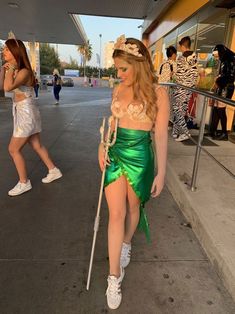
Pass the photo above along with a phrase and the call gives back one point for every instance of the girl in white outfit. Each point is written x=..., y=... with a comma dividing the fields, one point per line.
x=19, y=79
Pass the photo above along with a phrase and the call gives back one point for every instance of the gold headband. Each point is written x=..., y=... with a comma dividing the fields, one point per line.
x=129, y=48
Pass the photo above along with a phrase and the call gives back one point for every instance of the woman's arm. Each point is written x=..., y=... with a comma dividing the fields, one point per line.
x=101, y=150
x=161, y=139
x=14, y=78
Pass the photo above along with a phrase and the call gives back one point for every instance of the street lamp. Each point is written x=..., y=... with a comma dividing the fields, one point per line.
x=100, y=55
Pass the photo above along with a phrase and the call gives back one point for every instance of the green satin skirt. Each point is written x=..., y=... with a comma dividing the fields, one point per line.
x=132, y=156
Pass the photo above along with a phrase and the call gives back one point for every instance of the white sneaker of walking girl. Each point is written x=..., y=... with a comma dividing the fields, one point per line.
x=125, y=254
x=52, y=175
x=113, y=292
x=20, y=188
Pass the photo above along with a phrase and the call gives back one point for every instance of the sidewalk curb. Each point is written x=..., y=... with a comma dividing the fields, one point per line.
x=189, y=205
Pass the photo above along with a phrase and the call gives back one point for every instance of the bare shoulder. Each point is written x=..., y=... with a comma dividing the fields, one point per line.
x=24, y=71
x=161, y=92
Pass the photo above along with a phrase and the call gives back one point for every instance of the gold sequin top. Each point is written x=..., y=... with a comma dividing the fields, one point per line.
x=135, y=110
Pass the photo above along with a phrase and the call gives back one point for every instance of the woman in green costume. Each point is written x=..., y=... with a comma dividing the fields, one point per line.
x=140, y=106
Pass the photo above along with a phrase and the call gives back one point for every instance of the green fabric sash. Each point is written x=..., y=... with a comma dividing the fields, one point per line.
x=132, y=156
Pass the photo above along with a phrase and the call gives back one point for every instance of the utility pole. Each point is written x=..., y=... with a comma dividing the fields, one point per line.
x=100, y=56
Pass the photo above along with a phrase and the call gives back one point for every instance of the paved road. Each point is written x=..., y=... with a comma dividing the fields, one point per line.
x=46, y=234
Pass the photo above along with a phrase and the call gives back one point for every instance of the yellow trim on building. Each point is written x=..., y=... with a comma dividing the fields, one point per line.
x=177, y=13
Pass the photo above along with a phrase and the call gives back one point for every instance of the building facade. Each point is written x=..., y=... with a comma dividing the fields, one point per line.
x=208, y=23
x=108, y=52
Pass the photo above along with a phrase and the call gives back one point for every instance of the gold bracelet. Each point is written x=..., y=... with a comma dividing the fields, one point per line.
x=11, y=67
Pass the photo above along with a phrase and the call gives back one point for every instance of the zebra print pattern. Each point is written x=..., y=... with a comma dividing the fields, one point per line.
x=179, y=107
x=186, y=74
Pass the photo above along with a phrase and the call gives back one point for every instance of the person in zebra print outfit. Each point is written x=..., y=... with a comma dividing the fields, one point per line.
x=187, y=75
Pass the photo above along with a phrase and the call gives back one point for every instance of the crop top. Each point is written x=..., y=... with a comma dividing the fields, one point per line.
x=28, y=91
x=135, y=110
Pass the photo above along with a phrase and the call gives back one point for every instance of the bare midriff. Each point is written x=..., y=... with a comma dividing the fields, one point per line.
x=134, y=125
x=23, y=92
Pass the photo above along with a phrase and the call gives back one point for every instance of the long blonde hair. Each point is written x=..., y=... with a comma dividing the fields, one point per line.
x=144, y=80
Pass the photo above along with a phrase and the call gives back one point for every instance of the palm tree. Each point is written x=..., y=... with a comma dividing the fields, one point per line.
x=85, y=51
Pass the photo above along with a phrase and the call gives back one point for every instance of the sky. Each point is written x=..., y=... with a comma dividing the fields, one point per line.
x=109, y=28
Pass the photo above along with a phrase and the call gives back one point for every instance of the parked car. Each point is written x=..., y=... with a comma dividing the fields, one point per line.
x=47, y=79
x=67, y=81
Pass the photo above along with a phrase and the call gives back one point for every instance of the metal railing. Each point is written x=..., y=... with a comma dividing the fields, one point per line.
x=198, y=143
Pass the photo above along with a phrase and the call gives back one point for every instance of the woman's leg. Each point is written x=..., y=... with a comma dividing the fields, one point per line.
x=132, y=214
x=180, y=106
x=37, y=88
x=58, y=92
x=55, y=93
x=15, y=146
x=214, y=121
x=116, y=195
x=223, y=119
x=35, y=143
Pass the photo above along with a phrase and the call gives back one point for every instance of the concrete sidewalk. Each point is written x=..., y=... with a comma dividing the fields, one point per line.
x=211, y=208
x=46, y=234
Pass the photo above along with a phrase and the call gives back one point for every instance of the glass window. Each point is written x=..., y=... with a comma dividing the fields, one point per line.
x=152, y=52
x=169, y=40
x=189, y=28
x=211, y=31
x=206, y=29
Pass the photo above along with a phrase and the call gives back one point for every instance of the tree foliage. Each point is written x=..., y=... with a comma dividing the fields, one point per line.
x=73, y=64
x=49, y=59
x=86, y=52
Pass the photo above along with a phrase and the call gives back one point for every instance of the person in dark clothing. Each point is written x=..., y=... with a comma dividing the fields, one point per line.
x=2, y=75
x=224, y=86
x=36, y=86
x=56, y=85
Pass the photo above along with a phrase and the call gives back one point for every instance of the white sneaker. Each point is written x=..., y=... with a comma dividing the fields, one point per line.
x=113, y=292
x=182, y=137
x=20, y=188
x=174, y=135
x=125, y=254
x=52, y=175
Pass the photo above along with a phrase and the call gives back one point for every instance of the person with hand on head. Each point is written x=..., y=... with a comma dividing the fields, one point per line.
x=36, y=86
x=20, y=79
x=140, y=106
x=57, y=85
